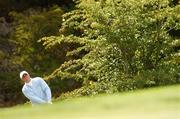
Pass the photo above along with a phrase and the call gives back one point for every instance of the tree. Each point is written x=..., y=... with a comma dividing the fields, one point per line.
x=129, y=42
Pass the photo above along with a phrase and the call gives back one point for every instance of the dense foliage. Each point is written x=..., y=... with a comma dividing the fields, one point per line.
x=128, y=45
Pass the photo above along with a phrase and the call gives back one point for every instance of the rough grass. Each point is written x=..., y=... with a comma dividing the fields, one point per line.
x=155, y=103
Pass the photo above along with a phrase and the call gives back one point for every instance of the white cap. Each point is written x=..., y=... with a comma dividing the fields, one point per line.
x=22, y=72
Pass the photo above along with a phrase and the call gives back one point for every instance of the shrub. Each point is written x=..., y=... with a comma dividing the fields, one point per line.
x=129, y=45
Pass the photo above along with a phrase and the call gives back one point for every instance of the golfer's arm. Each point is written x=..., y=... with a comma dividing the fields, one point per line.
x=48, y=93
x=33, y=97
x=46, y=89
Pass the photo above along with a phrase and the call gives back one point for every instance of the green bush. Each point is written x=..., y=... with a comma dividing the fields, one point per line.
x=30, y=26
x=129, y=45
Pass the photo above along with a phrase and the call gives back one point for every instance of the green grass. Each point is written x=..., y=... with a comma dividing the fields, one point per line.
x=155, y=103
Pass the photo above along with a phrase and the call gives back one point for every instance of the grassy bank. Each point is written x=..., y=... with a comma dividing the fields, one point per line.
x=155, y=103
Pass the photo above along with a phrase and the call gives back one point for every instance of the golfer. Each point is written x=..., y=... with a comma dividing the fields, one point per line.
x=35, y=89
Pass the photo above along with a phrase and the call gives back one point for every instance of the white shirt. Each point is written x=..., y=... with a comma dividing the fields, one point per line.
x=37, y=91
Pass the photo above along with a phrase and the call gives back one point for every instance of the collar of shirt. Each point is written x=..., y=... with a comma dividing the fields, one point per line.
x=30, y=83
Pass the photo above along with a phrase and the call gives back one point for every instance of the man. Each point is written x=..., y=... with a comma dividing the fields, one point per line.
x=35, y=89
